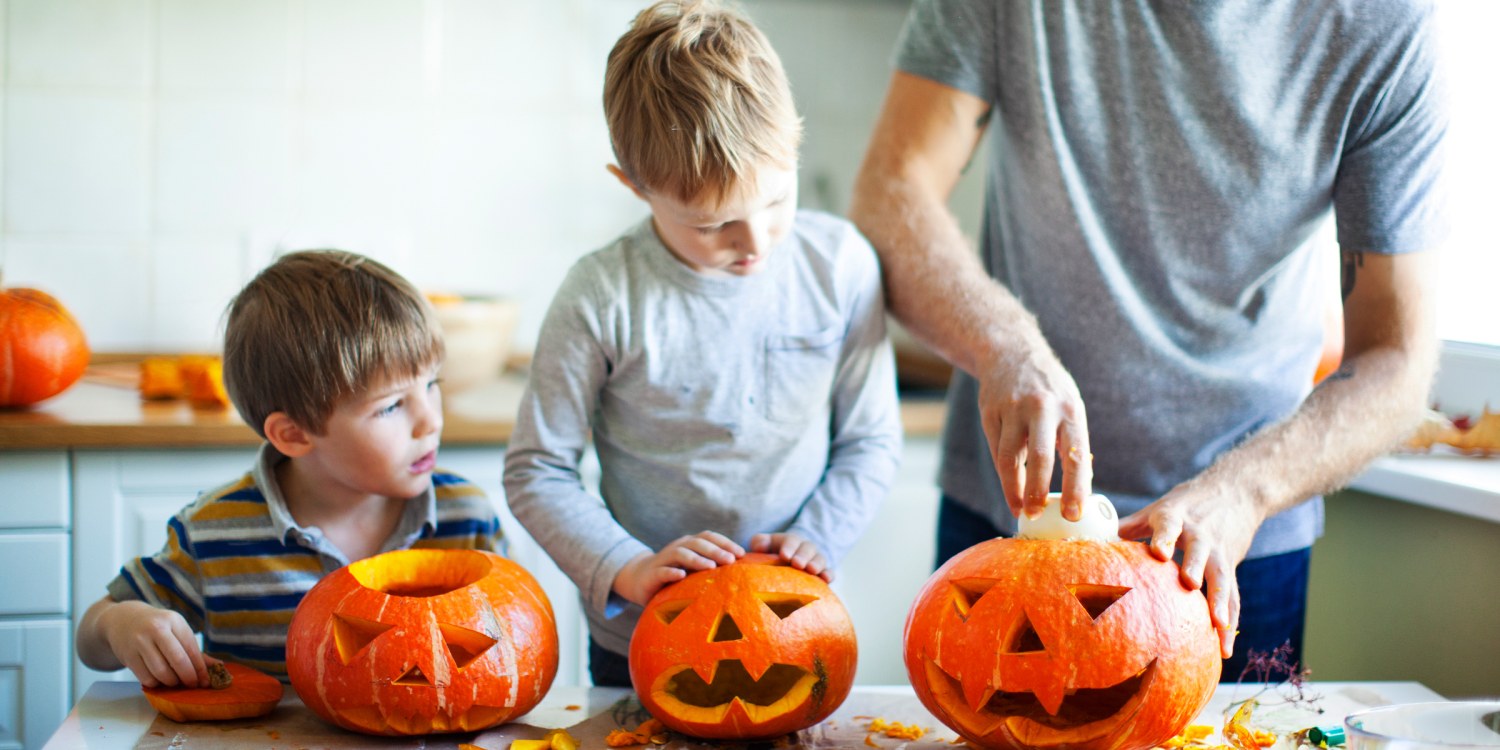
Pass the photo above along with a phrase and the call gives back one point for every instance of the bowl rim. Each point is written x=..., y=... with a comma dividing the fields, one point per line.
x=1349, y=727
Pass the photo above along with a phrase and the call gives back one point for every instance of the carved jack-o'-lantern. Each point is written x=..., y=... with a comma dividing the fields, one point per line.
x=1078, y=642
x=419, y=641
x=750, y=650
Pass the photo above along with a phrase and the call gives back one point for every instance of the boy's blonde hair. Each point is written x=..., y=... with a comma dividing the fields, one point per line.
x=318, y=326
x=696, y=99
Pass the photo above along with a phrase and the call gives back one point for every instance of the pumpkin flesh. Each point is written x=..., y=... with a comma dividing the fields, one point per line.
x=250, y=693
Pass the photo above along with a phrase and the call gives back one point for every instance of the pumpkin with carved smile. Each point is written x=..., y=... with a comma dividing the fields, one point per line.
x=419, y=641
x=1080, y=643
x=752, y=650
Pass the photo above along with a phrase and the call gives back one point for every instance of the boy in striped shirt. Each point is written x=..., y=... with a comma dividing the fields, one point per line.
x=332, y=358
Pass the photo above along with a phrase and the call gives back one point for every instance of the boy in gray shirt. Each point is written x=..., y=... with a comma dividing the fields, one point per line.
x=728, y=355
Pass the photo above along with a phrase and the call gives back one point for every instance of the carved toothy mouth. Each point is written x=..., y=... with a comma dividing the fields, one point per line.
x=1079, y=707
x=779, y=689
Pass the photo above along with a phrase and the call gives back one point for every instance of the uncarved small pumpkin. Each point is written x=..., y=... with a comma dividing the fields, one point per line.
x=250, y=693
x=42, y=347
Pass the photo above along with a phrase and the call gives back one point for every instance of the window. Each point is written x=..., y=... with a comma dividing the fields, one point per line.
x=1469, y=274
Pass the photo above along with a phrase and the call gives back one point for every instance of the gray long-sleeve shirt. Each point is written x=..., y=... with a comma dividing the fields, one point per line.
x=739, y=405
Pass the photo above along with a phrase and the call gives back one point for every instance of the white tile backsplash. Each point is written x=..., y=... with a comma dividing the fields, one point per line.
x=227, y=46
x=364, y=50
x=223, y=162
x=193, y=277
x=157, y=153
x=79, y=43
x=76, y=163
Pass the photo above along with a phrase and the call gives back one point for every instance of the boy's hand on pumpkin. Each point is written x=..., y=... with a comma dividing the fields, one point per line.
x=155, y=644
x=1032, y=413
x=793, y=548
x=643, y=576
x=1213, y=530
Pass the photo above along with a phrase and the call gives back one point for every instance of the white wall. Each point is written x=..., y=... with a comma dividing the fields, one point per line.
x=155, y=153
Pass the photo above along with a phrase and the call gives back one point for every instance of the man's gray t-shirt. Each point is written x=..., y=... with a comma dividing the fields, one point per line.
x=1157, y=171
x=740, y=405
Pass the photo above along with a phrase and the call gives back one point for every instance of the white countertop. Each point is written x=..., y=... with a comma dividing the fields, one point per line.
x=115, y=716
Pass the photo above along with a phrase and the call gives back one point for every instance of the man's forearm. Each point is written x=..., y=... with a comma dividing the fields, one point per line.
x=934, y=283
x=1352, y=418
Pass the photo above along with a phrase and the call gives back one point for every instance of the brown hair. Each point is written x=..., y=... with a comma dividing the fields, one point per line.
x=318, y=326
x=696, y=99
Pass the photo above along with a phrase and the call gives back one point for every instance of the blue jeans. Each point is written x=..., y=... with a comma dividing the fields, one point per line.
x=1273, y=589
x=607, y=668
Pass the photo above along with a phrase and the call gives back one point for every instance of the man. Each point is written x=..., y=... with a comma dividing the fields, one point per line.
x=1156, y=174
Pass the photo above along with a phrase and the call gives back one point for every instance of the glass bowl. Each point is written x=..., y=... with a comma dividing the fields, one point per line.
x=1425, y=726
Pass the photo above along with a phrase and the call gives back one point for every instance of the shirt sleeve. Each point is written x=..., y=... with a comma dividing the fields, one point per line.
x=1388, y=192
x=543, y=485
x=952, y=42
x=169, y=579
x=865, y=445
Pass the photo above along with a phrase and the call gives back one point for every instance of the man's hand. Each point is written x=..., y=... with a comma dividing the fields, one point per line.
x=1213, y=527
x=801, y=553
x=1031, y=410
x=645, y=575
x=155, y=644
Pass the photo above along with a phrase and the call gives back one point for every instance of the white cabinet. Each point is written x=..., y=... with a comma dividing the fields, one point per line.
x=34, y=625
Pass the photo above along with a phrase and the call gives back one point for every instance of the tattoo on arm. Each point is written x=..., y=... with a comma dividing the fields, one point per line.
x=1352, y=262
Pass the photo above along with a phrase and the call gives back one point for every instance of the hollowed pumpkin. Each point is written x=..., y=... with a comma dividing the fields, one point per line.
x=250, y=693
x=1028, y=643
x=751, y=650
x=421, y=641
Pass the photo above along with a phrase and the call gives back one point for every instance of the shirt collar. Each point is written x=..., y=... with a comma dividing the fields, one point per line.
x=418, y=519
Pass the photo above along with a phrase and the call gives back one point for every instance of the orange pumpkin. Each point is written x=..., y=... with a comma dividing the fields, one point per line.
x=1084, y=644
x=419, y=641
x=251, y=693
x=751, y=650
x=42, y=348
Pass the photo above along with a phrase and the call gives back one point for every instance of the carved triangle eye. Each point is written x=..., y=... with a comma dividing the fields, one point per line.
x=1024, y=640
x=968, y=592
x=465, y=645
x=783, y=605
x=352, y=634
x=1096, y=598
x=669, y=611
x=726, y=630
x=414, y=677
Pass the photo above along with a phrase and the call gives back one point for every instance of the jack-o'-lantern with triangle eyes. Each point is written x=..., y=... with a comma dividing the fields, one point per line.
x=1065, y=636
x=751, y=650
x=420, y=641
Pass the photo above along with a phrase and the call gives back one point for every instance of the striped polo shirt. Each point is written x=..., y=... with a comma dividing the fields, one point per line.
x=236, y=564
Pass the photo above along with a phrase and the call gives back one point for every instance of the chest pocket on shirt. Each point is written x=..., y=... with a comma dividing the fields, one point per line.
x=799, y=373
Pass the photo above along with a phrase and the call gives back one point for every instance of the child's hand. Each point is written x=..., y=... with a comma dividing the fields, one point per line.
x=801, y=553
x=642, y=577
x=155, y=644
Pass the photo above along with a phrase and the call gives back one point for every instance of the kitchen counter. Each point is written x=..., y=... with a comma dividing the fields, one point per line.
x=115, y=716
x=104, y=410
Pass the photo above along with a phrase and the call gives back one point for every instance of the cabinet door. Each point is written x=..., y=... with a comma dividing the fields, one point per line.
x=36, y=489
x=122, y=501
x=33, y=681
